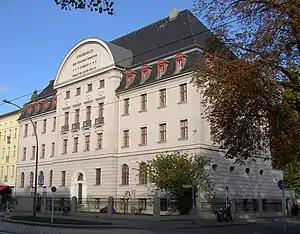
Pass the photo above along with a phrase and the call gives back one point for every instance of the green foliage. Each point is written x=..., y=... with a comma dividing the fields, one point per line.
x=99, y=6
x=34, y=95
x=291, y=174
x=169, y=172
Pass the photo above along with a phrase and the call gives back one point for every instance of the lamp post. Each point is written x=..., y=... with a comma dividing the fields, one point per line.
x=36, y=154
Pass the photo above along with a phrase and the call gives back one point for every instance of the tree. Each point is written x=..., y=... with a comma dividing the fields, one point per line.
x=99, y=6
x=34, y=95
x=169, y=172
x=250, y=77
x=291, y=174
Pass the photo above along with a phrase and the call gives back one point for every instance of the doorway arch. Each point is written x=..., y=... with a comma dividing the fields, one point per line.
x=79, y=187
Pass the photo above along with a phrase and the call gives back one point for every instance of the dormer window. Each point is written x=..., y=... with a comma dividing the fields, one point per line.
x=54, y=100
x=145, y=72
x=180, y=62
x=161, y=68
x=130, y=77
x=46, y=104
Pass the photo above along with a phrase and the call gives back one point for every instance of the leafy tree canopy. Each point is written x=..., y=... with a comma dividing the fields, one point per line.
x=291, y=174
x=34, y=95
x=99, y=6
x=169, y=172
x=252, y=95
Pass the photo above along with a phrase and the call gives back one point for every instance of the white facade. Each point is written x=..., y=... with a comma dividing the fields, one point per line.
x=99, y=64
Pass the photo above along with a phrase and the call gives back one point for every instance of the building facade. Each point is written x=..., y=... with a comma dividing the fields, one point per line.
x=9, y=136
x=114, y=105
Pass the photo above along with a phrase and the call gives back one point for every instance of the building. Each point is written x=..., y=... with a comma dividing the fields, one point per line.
x=9, y=136
x=115, y=104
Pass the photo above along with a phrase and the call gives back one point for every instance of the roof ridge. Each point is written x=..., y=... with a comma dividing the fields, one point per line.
x=144, y=28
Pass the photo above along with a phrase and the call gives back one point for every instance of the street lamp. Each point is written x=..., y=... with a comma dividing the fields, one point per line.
x=36, y=154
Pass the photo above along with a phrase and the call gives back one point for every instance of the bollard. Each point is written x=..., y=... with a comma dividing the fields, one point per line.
x=110, y=206
x=74, y=205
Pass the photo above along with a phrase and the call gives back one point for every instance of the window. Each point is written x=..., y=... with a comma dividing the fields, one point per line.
x=65, y=146
x=143, y=173
x=52, y=149
x=143, y=135
x=75, y=146
x=67, y=94
x=87, y=143
x=125, y=138
x=129, y=78
x=33, y=153
x=161, y=70
x=44, y=126
x=162, y=132
x=15, y=135
x=31, y=180
x=101, y=84
x=214, y=167
x=4, y=136
x=126, y=106
x=12, y=171
x=14, y=153
x=78, y=91
x=89, y=87
x=8, y=151
x=231, y=168
x=261, y=171
x=35, y=127
x=24, y=153
x=125, y=174
x=184, y=129
x=43, y=151
x=183, y=92
x=247, y=170
x=145, y=74
x=50, y=178
x=25, y=130
x=98, y=176
x=99, y=140
x=54, y=124
x=101, y=109
x=88, y=113
x=1, y=175
x=144, y=102
x=66, y=118
x=162, y=98
x=3, y=152
x=63, y=178
x=77, y=113
x=22, y=180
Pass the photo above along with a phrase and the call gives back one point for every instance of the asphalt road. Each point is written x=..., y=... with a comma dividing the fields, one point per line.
x=262, y=228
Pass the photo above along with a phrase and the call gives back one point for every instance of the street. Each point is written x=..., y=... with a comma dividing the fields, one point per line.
x=261, y=228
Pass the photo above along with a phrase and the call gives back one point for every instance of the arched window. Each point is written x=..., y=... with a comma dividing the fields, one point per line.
x=22, y=179
x=125, y=174
x=80, y=177
x=40, y=175
x=143, y=173
x=31, y=180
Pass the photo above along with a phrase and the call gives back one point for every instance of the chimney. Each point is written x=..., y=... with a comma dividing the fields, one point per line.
x=173, y=13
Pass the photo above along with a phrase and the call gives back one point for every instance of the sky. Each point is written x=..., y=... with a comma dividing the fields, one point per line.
x=35, y=35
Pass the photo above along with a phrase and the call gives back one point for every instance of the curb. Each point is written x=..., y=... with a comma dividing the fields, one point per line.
x=216, y=226
x=104, y=226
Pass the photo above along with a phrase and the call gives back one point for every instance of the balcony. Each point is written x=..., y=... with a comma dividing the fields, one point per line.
x=7, y=159
x=99, y=121
x=75, y=127
x=64, y=128
x=87, y=124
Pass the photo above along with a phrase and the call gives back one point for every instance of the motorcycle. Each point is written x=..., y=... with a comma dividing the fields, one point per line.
x=224, y=215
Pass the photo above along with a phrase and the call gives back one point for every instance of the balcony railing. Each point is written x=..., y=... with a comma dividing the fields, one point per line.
x=65, y=128
x=99, y=121
x=87, y=124
x=75, y=126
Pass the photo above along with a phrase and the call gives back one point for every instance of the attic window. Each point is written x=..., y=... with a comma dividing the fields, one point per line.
x=161, y=68
x=54, y=100
x=46, y=104
x=130, y=77
x=145, y=72
x=180, y=62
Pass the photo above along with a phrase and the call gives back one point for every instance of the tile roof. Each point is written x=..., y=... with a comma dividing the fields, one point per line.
x=164, y=38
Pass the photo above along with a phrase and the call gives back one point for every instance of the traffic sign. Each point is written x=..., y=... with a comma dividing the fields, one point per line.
x=280, y=184
x=53, y=189
x=41, y=180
